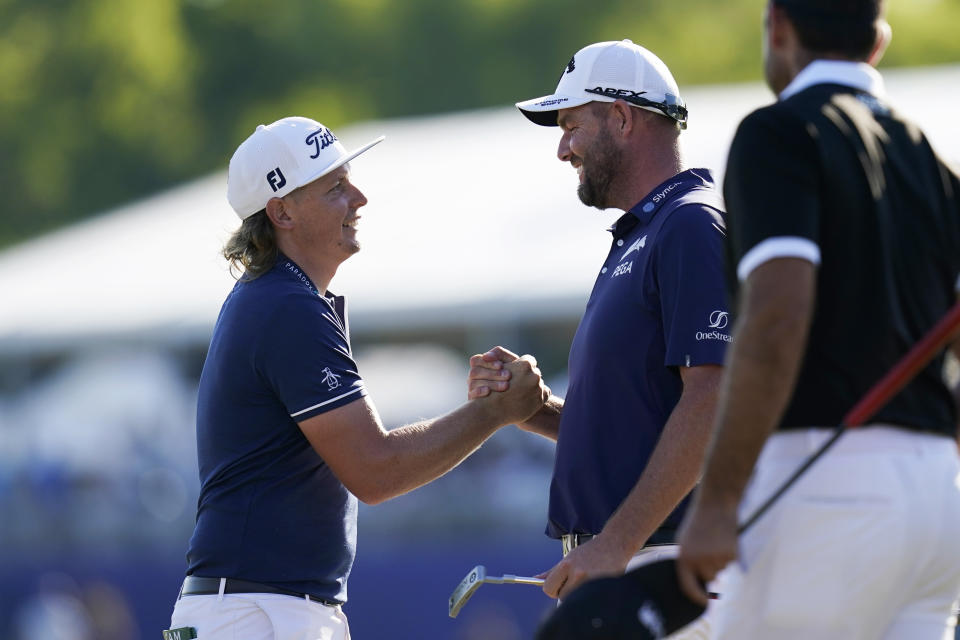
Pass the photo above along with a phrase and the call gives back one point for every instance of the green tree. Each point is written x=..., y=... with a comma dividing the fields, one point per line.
x=103, y=101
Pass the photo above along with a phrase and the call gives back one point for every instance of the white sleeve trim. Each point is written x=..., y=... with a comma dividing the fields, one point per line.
x=779, y=247
x=317, y=406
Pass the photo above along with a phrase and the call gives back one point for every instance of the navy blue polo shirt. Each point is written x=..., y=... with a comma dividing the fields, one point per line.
x=270, y=509
x=658, y=304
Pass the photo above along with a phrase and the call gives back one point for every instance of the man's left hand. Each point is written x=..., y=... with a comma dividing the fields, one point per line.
x=708, y=543
x=590, y=560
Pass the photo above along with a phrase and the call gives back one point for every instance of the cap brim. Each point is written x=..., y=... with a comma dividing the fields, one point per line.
x=645, y=603
x=543, y=110
x=343, y=160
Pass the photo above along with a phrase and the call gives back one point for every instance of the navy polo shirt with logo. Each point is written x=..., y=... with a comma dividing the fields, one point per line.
x=270, y=509
x=658, y=304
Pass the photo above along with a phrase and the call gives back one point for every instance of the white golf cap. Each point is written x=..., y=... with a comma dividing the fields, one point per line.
x=280, y=157
x=605, y=72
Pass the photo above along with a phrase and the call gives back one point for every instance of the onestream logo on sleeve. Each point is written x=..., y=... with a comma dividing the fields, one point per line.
x=717, y=321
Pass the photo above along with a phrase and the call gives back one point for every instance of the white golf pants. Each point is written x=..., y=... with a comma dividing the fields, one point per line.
x=865, y=546
x=259, y=616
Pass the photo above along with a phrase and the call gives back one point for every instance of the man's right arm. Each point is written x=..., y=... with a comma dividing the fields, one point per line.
x=488, y=374
x=376, y=464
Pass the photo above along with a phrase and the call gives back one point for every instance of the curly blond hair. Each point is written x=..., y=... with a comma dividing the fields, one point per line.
x=252, y=249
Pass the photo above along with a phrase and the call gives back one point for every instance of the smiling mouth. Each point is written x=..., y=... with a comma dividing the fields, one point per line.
x=351, y=224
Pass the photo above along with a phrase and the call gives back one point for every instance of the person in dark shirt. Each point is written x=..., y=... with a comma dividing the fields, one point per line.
x=845, y=250
x=646, y=358
x=287, y=438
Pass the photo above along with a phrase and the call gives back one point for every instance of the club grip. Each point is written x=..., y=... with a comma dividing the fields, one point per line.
x=511, y=579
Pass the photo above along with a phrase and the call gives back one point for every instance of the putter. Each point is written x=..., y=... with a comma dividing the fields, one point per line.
x=477, y=576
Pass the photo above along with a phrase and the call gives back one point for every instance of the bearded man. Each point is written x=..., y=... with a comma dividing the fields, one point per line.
x=646, y=359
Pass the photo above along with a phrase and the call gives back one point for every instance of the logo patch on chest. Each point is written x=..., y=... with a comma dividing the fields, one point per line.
x=622, y=268
x=636, y=246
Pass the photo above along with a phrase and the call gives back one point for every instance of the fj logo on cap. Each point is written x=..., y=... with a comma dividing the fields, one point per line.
x=275, y=179
x=321, y=139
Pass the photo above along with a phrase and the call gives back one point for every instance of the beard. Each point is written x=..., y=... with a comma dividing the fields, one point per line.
x=600, y=164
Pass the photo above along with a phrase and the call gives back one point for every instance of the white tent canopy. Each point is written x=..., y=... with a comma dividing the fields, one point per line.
x=471, y=220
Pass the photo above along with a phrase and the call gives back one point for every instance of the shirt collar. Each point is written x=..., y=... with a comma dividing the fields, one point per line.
x=858, y=75
x=292, y=269
x=644, y=211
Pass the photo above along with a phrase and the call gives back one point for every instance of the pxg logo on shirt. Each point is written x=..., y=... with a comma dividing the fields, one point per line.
x=320, y=139
x=718, y=321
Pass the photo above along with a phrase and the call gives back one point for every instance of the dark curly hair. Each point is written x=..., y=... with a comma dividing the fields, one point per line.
x=843, y=27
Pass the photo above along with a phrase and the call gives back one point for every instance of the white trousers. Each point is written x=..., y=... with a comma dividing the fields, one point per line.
x=696, y=630
x=865, y=546
x=259, y=616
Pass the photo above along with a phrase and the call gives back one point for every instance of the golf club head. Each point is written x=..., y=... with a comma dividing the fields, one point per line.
x=646, y=604
x=467, y=587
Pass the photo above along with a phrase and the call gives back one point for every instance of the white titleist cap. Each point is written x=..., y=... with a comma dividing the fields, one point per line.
x=280, y=157
x=608, y=71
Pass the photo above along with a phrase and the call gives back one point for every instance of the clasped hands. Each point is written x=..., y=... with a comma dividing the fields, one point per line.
x=512, y=383
x=493, y=373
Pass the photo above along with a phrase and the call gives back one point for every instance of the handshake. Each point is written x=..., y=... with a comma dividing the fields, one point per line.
x=510, y=385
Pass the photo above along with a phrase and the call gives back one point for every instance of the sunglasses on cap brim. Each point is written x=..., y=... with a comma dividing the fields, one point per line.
x=672, y=109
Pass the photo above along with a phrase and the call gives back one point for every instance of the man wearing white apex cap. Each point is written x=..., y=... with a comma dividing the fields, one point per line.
x=287, y=438
x=645, y=361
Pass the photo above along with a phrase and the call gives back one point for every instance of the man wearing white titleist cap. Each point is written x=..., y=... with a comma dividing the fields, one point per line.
x=287, y=438
x=645, y=361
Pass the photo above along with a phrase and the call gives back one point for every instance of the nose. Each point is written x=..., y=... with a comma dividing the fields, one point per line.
x=563, y=149
x=358, y=200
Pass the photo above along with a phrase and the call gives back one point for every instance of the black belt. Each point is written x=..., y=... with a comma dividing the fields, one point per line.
x=571, y=541
x=197, y=586
x=661, y=536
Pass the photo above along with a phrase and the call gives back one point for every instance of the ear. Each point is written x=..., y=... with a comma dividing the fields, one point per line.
x=278, y=214
x=622, y=118
x=884, y=36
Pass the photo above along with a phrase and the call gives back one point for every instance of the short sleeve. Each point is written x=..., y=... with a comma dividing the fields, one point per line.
x=771, y=189
x=690, y=279
x=306, y=358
